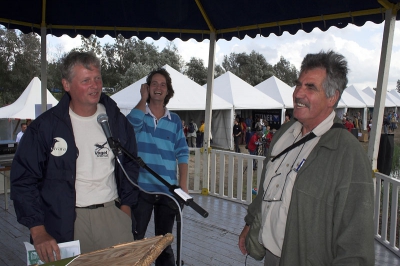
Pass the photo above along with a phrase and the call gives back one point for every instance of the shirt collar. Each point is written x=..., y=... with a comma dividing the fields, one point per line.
x=319, y=130
x=166, y=114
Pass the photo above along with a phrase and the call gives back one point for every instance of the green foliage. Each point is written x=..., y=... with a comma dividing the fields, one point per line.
x=398, y=86
x=285, y=71
x=252, y=68
x=123, y=62
x=19, y=63
x=196, y=70
x=396, y=162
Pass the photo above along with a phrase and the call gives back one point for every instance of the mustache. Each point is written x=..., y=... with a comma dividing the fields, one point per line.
x=297, y=100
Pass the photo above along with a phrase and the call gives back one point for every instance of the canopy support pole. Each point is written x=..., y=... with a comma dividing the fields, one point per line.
x=208, y=114
x=43, y=69
x=380, y=96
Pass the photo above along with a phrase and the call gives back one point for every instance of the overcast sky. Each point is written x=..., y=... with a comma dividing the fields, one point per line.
x=360, y=45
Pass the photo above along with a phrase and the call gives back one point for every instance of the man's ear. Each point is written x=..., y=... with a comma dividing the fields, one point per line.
x=65, y=84
x=334, y=99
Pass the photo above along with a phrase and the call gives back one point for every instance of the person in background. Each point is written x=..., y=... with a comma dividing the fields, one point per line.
x=315, y=200
x=347, y=124
x=191, y=134
x=162, y=145
x=249, y=122
x=201, y=130
x=385, y=124
x=236, y=132
x=287, y=119
x=21, y=133
x=255, y=140
x=184, y=127
x=67, y=187
x=268, y=139
x=244, y=130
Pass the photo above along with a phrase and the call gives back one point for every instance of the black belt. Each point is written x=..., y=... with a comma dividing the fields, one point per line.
x=94, y=206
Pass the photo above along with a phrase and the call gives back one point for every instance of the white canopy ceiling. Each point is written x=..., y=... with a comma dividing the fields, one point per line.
x=28, y=105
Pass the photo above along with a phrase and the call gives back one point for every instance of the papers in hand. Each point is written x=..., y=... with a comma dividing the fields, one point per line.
x=67, y=250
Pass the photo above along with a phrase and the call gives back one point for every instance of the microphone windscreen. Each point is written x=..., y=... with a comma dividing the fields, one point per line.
x=102, y=118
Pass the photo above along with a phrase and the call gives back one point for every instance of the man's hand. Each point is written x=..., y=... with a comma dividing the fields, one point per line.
x=144, y=91
x=126, y=209
x=242, y=239
x=45, y=245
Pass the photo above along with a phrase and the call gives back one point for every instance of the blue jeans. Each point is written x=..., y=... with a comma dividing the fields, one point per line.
x=165, y=210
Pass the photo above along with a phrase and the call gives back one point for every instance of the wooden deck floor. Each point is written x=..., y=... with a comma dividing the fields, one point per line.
x=206, y=241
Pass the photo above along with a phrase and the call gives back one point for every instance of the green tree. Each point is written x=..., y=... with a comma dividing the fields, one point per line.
x=196, y=70
x=218, y=71
x=398, y=86
x=285, y=71
x=252, y=68
x=170, y=55
x=19, y=63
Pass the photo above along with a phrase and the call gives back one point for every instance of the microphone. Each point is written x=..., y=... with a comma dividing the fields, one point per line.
x=102, y=119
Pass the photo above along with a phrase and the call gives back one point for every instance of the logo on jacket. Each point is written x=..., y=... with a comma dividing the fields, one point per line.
x=101, y=151
x=59, y=147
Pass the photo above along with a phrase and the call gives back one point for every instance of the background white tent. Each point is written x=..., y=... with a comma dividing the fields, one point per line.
x=189, y=102
x=361, y=96
x=389, y=105
x=245, y=97
x=365, y=98
x=394, y=93
x=279, y=91
x=27, y=106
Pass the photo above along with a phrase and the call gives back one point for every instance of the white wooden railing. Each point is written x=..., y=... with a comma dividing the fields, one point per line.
x=231, y=174
x=386, y=211
x=232, y=178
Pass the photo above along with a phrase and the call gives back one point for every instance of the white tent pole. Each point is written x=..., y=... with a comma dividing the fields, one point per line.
x=365, y=120
x=380, y=96
x=43, y=68
x=208, y=114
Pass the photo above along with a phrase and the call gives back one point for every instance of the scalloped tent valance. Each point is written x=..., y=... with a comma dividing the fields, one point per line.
x=186, y=19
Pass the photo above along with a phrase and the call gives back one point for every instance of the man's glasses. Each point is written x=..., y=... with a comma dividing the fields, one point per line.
x=269, y=198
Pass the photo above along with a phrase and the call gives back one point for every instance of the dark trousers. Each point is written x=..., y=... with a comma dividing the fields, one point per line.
x=236, y=141
x=165, y=210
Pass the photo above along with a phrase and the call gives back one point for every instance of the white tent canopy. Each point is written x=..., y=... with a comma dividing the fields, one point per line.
x=395, y=93
x=189, y=102
x=241, y=94
x=277, y=90
x=361, y=96
x=371, y=93
x=351, y=101
x=28, y=105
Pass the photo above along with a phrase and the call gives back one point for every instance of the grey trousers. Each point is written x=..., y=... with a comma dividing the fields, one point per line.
x=270, y=259
x=102, y=227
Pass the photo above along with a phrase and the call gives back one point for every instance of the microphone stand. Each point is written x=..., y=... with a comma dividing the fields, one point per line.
x=176, y=191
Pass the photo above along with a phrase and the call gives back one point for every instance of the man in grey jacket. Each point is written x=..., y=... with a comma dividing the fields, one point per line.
x=316, y=199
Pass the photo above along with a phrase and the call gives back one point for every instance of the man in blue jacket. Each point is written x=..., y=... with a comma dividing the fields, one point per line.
x=65, y=181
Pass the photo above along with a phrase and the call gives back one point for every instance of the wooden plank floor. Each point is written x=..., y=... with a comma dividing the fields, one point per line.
x=206, y=241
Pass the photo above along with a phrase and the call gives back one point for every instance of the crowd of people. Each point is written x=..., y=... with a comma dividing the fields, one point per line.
x=315, y=201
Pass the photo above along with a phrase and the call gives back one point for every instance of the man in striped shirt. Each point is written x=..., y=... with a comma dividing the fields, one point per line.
x=161, y=144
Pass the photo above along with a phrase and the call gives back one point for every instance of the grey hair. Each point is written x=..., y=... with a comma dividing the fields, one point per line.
x=336, y=71
x=86, y=59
